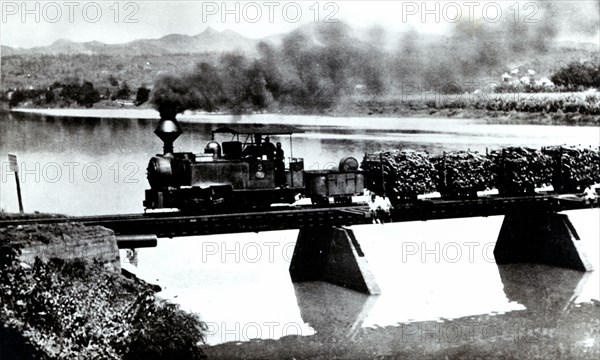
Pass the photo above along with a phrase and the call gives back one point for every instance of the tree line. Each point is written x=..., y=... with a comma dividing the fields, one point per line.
x=82, y=93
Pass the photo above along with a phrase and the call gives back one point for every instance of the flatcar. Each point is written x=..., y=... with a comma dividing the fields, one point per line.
x=244, y=171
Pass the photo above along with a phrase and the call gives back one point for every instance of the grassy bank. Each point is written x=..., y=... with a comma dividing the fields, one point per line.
x=515, y=108
x=75, y=309
x=25, y=216
x=572, y=109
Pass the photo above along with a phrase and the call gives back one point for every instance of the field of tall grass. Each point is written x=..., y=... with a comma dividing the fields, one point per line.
x=573, y=108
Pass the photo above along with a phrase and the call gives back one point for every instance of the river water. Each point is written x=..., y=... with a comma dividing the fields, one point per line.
x=239, y=284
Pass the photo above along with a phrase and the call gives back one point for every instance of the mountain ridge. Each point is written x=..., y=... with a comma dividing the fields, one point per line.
x=210, y=40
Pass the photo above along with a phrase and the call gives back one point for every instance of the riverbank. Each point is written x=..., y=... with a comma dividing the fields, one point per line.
x=572, y=109
x=63, y=296
x=481, y=116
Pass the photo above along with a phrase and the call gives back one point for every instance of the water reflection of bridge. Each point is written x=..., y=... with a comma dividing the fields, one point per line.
x=548, y=293
x=551, y=323
x=532, y=232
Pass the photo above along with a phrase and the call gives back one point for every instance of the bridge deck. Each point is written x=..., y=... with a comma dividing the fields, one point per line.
x=485, y=206
x=174, y=225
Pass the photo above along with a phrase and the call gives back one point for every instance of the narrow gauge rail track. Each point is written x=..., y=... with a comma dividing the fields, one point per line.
x=93, y=219
x=65, y=219
x=177, y=224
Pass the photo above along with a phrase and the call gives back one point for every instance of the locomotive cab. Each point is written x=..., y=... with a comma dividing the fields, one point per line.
x=250, y=143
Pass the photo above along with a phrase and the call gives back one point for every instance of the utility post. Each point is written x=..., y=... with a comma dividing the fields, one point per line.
x=13, y=166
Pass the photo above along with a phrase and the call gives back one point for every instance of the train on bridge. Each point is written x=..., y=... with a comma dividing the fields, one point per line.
x=245, y=171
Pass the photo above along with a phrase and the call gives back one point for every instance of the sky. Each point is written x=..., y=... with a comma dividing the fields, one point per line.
x=40, y=23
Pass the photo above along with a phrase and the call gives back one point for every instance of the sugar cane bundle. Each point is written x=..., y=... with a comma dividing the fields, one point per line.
x=520, y=170
x=374, y=168
x=463, y=173
x=399, y=174
x=595, y=155
x=575, y=168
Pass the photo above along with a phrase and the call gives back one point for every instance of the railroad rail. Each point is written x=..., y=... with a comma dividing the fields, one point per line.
x=177, y=224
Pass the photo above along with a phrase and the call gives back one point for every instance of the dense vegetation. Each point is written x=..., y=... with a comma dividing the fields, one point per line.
x=578, y=75
x=75, y=92
x=77, y=310
x=569, y=103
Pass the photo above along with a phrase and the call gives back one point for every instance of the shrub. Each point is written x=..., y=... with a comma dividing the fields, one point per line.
x=578, y=74
x=162, y=332
x=75, y=310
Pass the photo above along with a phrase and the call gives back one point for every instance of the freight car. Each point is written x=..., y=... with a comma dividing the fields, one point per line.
x=402, y=175
x=339, y=184
x=244, y=171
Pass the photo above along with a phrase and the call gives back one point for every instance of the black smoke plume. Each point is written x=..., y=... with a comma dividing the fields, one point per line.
x=317, y=66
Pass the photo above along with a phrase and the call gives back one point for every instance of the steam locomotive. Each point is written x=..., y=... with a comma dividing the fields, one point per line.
x=245, y=172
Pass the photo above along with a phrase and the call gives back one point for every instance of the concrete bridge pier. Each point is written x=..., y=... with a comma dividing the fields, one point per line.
x=540, y=237
x=333, y=255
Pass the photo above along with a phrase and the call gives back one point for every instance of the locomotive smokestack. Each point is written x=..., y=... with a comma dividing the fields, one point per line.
x=168, y=130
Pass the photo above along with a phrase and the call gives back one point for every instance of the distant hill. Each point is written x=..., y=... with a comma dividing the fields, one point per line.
x=213, y=41
x=7, y=51
x=403, y=57
x=209, y=40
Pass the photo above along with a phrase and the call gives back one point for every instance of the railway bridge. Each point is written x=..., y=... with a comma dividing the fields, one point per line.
x=533, y=231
